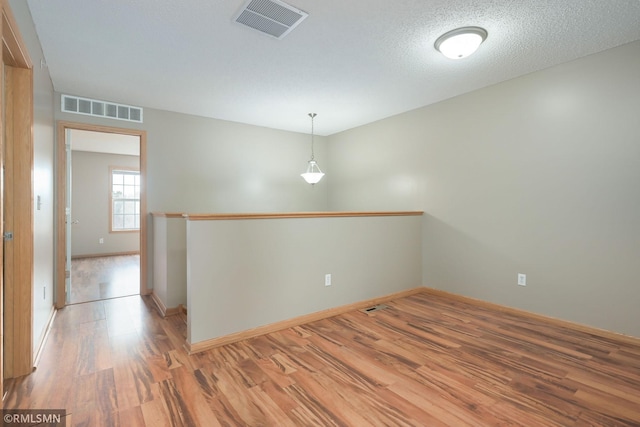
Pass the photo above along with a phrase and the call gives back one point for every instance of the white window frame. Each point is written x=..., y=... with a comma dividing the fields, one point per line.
x=130, y=204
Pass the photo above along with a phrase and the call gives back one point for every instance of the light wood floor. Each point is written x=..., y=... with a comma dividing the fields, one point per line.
x=100, y=278
x=424, y=361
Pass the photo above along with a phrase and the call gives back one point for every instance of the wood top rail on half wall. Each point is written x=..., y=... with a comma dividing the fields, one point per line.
x=279, y=215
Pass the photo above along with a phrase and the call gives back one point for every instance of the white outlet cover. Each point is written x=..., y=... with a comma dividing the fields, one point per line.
x=522, y=279
x=327, y=279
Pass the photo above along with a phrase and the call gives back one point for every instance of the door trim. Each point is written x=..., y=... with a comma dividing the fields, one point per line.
x=14, y=53
x=61, y=170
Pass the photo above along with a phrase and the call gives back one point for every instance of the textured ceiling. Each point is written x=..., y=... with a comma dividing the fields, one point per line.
x=352, y=62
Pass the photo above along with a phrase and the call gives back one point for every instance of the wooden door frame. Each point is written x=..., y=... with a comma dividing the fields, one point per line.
x=19, y=124
x=61, y=168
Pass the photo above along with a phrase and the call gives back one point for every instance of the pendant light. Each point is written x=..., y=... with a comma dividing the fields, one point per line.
x=313, y=175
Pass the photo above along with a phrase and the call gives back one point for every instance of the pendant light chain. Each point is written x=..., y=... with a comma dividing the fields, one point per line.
x=312, y=115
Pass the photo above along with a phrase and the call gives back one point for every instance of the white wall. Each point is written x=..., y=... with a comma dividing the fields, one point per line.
x=538, y=175
x=90, y=185
x=170, y=260
x=43, y=177
x=159, y=252
x=242, y=274
x=177, y=266
x=197, y=164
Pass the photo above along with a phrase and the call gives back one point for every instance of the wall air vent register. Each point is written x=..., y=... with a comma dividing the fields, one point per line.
x=271, y=17
x=96, y=108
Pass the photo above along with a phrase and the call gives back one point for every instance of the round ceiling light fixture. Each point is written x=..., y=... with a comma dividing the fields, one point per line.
x=461, y=42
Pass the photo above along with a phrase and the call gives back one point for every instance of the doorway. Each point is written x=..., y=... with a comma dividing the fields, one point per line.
x=99, y=237
x=103, y=239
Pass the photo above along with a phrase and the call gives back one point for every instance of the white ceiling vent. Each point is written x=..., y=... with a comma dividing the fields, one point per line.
x=93, y=107
x=271, y=17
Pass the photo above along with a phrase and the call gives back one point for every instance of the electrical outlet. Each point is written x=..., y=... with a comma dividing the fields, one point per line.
x=44, y=292
x=522, y=279
x=327, y=279
x=101, y=240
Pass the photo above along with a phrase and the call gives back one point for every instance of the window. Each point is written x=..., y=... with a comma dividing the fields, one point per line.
x=125, y=200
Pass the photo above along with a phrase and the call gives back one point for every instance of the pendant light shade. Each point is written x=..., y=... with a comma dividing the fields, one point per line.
x=313, y=175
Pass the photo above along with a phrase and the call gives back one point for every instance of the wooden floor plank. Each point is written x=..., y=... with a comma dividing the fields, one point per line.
x=97, y=278
x=132, y=417
x=155, y=414
x=193, y=402
x=223, y=410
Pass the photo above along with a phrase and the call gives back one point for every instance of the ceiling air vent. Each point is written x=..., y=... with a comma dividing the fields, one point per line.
x=271, y=17
x=93, y=107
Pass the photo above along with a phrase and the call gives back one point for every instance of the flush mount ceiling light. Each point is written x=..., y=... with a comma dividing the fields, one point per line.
x=313, y=175
x=461, y=42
